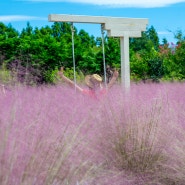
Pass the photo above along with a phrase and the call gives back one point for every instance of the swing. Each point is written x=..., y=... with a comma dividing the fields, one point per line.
x=73, y=53
x=124, y=28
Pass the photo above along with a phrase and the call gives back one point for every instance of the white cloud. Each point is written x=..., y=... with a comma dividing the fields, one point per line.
x=12, y=18
x=120, y=3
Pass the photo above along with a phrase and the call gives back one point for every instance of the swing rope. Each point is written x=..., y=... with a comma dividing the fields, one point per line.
x=103, y=51
x=73, y=52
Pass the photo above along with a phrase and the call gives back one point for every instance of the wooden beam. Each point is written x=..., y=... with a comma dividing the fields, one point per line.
x=117, y=33
x=94, y=19
x=76, y=18
x=125, y=27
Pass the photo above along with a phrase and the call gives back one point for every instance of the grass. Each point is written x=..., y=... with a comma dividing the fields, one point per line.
x=53, y=135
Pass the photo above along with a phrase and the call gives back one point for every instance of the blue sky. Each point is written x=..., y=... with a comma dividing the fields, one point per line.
x=167, y=16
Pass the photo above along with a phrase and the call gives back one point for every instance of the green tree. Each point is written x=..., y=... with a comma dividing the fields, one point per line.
x=153, y=36
x=8, y=41
x=28, y=31
x=164, y=41
x=174, y=58
x=112, y=51
x=138, y=67
x=179, y=60
x=144, y=52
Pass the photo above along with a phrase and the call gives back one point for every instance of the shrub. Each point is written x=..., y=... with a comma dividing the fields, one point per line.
x=5, y=77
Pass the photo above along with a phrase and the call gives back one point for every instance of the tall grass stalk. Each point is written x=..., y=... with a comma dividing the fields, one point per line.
x=53, y=135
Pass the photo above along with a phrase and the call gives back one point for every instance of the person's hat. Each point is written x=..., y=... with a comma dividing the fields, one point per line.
x=90, y=80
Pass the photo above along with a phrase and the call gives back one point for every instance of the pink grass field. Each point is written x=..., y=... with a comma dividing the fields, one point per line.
x=53, y=135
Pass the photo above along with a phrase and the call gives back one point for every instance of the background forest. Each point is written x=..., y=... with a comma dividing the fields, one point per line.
x=35, y=55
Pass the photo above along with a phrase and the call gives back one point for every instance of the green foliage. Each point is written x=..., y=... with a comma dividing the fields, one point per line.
x=179, y=60
x=112, y=51
x=174, y=59
x=179, y=36
x=5, y=75
x=138, y=67
x=156, y=70
x=69, y=72
x=51, y=76
x=153, y=37
x=48, y=48
x=91, y=62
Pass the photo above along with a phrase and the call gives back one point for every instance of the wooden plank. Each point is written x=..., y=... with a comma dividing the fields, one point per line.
x=117, y=33
x=125, y=27
x=94, y=19
x=76, y=18
x=121, y=20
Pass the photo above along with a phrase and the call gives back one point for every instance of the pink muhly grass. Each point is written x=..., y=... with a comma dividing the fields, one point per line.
x=40, y=137
x=54, y=135
x=137, y=130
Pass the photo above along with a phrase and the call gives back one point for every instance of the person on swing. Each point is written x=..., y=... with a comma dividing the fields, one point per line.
x=94, y=82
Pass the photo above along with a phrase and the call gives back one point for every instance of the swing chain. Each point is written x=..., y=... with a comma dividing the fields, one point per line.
x=102, y=29
x=103, y=50
x=72, y=27
x=73, y=52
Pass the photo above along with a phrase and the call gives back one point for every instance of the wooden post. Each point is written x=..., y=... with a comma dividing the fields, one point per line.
x=125, y=64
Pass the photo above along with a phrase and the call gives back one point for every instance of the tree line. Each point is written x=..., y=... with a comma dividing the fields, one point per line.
x=34, y=55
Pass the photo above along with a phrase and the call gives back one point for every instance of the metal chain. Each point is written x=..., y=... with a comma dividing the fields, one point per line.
x=73, y=51
x=103, y=50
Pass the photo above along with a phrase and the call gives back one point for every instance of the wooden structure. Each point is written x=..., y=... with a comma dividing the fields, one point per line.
x=124, y=28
